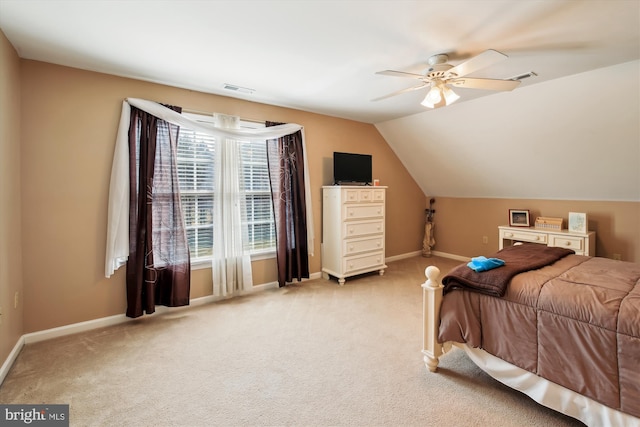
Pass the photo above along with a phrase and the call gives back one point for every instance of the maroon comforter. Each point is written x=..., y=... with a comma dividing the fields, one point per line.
x=575, y=322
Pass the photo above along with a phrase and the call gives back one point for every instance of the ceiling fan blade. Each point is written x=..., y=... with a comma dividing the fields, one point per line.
x=410, y=89
x=400, y=74
x=486, y=84
x=483, y=60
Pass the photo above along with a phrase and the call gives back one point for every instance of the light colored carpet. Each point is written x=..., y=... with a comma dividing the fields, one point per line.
x=311, y=354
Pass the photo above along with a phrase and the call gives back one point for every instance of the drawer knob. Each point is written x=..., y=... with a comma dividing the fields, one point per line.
x=537, y=238
x=350, y=248
x=509, y=234
x=568, y=243
x=350, y=213
x=379, y=244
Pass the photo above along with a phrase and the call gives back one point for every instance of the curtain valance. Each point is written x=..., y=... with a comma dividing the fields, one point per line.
x=117, y=247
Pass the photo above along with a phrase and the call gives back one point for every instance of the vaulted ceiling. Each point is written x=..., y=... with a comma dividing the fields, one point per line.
x=322, y=55
x=569, y=132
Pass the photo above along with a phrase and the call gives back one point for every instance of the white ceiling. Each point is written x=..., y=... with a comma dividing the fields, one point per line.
x=322, y=56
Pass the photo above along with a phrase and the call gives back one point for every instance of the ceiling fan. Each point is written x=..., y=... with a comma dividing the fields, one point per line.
x=440, y=76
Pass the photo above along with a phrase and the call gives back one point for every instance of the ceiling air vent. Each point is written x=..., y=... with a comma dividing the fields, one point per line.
x=524, y=76
x=238, y=89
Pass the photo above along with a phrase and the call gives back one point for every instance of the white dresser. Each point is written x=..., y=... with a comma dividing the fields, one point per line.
x=581, y=243
x=352, y=230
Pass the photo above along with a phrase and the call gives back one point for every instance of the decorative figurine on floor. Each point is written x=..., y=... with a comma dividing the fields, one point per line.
x=429, y=241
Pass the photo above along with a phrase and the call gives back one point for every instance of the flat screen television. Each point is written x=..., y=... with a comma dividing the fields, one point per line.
x=351, y=168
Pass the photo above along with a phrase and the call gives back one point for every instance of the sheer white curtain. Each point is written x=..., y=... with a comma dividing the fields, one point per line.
x=117, y=245
x=231, y=262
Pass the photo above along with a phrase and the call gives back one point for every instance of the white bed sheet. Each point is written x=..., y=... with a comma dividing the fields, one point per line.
x=549, y=394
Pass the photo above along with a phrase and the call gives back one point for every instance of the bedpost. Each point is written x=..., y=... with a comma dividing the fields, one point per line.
x=431, y=300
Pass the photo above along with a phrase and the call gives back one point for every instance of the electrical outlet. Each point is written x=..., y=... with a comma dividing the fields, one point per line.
x=485, y=239
x=617, y=257
x=15, y=299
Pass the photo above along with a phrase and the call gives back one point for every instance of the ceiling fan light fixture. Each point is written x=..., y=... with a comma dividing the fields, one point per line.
x=426, y=103
x=433, y=97
x=441, y=77
x=449, y=95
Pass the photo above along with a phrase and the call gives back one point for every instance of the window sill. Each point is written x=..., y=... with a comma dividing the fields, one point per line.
x=257, y=256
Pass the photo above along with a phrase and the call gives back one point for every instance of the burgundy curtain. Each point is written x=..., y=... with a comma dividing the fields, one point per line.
x=158, y=268
x=286, y=173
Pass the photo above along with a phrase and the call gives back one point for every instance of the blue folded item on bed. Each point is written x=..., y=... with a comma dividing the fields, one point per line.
x=483, y=263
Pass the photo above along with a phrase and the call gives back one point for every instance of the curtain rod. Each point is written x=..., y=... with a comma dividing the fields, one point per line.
x=210, y=113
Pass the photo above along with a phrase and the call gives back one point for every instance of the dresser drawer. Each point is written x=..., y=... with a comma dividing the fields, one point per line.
x=363, y=262
x=350, y=196
x=569, y=242
x=378, y=195
x=362, y=228
x=354, y=246
x=524, y=236
x=366, y=210
x=354, y=195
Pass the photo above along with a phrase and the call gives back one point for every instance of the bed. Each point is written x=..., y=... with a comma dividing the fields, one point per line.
x=562, y=328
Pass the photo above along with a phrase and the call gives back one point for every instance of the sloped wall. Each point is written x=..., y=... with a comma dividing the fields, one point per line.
x=572, y=144
x=575, y=138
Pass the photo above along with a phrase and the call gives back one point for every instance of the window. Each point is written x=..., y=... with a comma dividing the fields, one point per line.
x=196, y=155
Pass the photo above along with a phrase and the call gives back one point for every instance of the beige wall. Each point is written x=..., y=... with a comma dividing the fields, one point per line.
x=68, y=133
x=11, y=327
x=462, y=222
x=56, y=157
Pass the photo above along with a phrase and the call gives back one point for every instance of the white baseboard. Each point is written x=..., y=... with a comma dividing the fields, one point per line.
x=74, y=328
x=8, y=363
x=451, y=256
x=403, y=256
x=433, y=253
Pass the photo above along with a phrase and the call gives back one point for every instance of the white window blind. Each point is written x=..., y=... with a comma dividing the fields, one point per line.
x=196, y=159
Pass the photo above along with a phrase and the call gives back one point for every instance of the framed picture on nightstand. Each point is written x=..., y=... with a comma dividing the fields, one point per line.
x=578, y=222
x=518, y=218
